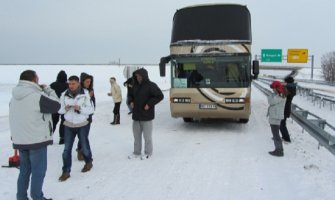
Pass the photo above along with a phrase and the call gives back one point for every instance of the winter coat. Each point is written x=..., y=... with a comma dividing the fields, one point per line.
x=276, y=108
x=291, y=89
x=60, y=85
x=83, y=77
x=30, y=115
x=116, y=92
x=73, y=118
x=144, y=93
x=129, y=83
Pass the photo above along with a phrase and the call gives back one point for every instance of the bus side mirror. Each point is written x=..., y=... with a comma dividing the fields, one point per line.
x=255, y=68
x=162, y=65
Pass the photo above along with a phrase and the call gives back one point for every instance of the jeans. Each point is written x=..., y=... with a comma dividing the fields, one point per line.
x=69, y=136
x=34, y=163
x=88, y=132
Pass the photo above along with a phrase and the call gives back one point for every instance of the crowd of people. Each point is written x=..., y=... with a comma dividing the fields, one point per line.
x=72, y=102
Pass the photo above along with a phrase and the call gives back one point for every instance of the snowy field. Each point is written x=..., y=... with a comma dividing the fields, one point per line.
x=209, y=160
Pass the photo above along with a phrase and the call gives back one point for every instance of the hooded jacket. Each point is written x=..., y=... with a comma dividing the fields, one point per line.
x=276, y=108
x=60, y=85
x=144, y=93
x=30, y=115
x=83, y=77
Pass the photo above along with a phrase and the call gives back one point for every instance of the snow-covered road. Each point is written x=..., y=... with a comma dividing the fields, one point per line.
x=203, y=160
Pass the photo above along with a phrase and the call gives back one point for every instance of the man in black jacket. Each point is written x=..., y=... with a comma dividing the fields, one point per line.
x=291, y=92
x=60, y=85
x=143, y=99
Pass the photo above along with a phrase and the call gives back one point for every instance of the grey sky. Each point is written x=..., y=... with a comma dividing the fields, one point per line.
x=101, y=31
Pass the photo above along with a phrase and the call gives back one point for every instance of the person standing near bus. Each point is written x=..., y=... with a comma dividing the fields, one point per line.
x=291, y=90
x=275, y=113
x=145, y=96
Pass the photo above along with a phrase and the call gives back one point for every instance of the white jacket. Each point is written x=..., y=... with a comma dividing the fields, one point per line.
x=72, y=117
x=276, y=108
x=30, y=112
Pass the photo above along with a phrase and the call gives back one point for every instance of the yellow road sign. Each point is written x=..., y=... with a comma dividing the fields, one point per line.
x=297, y=55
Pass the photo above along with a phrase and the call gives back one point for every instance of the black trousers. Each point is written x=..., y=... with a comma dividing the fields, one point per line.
x=116, y=109
x=284, y=131
x=55, y=119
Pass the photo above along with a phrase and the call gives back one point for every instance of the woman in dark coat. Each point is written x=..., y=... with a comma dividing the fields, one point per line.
x=60, y=85
x=291, y=92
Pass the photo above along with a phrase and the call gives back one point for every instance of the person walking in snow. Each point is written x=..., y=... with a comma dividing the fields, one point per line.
x=276, y=113
x=291, y=89
x=86, y=82
x=76, y=106
x=145, y=96
x=31, y=131
x=117, y=98
x=60, y=85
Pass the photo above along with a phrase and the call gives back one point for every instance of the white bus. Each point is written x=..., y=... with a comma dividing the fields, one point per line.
x=211, y=66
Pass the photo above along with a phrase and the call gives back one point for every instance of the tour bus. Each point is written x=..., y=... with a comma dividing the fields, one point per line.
x=211, y=67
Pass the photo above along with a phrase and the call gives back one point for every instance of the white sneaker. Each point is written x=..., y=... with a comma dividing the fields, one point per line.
x=145, y=156
x=132, y=156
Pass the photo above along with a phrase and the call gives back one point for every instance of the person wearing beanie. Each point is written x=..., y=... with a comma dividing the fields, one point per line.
x=290, y=93
x=60, y=85
x=275, y=113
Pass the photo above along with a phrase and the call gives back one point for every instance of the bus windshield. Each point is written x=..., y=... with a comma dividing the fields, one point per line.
x=211, y=72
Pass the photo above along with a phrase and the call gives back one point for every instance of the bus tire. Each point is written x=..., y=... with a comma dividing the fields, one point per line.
x=187, y=119
x=244, y=121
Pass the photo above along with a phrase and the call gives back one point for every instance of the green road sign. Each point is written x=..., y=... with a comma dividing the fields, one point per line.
x=271, y=55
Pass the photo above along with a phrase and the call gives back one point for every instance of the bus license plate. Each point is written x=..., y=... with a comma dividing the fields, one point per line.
x=207, y=106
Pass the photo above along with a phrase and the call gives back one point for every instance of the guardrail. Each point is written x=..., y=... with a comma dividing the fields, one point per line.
x=314, y=125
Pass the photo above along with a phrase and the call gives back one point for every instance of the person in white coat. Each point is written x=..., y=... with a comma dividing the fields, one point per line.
x=276, y=113
x=76, y=106
x=117, y=98
x=31, y=130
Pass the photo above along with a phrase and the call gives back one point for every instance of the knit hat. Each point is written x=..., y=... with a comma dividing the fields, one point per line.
x=277, y=86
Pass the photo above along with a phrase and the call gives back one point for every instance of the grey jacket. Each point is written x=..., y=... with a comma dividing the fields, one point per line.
x=30, y=112
x=276, y=108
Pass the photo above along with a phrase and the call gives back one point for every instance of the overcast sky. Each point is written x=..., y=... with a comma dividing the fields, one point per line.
x=139, y=31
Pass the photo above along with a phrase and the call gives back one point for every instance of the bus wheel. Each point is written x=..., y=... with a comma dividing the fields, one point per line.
x=186, y=119
x=244, y=121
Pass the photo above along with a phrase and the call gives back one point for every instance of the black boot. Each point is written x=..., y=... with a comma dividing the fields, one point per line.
x=113, y=122
x=117, y=119
x=277, y=152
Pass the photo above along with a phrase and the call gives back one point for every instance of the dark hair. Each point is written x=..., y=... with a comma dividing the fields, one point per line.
x=289, y=79
x=74, y=78
x=28, y=75
x=113, y=78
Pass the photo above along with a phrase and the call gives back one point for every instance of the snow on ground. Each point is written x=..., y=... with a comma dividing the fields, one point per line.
x=209, y=160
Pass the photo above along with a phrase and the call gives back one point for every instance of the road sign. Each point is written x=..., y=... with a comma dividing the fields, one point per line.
x=271, y=55
x=297, y=55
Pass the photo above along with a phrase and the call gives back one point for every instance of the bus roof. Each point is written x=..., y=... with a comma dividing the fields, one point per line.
x=212, y=22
